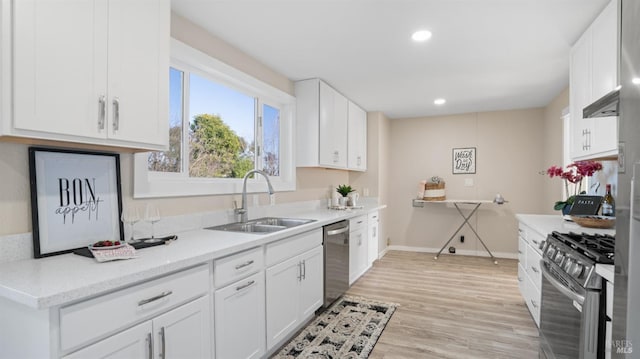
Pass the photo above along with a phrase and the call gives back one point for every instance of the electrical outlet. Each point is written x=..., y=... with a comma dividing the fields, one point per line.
x=468, y=182
x=462, y=239
x=388, y=241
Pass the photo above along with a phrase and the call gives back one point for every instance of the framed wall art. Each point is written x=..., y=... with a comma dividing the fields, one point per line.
x=464, y=160
x=75, y=199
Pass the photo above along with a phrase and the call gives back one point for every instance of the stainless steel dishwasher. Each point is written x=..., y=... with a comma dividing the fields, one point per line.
x=336, y=261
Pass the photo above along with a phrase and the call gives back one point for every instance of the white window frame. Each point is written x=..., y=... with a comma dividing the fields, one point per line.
x=149, y=184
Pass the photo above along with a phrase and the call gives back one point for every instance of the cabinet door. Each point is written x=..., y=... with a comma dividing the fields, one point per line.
x=138, y=99
x=604, y=54
x=580, y=95
x=358, y=253
x=184, y=332
x=59, y=66
x=312, y=284
x=135, y=342
x=374, y=225
x=283, y=282
x=333, y=127
x=240, y=319
x=357, y=142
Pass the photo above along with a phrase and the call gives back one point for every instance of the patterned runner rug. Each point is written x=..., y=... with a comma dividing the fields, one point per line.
x=350, y=328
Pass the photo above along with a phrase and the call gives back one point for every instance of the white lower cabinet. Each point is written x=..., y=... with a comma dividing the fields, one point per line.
x=240, y=319
x=184, y=332
x=529, y=273
x=374, y=226
x=294, y=292
x=358, y=248
x=295, y=284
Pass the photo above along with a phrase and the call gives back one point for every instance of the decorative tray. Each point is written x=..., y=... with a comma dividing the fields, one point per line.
x=595, y=221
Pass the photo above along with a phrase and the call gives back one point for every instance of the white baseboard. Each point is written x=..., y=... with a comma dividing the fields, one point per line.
x=464, y=252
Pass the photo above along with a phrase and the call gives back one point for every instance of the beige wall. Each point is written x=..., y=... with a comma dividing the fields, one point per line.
x=312, y=183
x=509, y=156
x=552, y=148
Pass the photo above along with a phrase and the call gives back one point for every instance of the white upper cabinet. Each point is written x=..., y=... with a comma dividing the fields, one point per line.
x=333, y=127
x=89, y=72
x=323, y=128
x=357, y=134
x=594, y=73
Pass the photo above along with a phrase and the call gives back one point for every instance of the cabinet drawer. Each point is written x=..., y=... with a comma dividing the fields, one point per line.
x=522, y=251
x=237, y=266
x=84, y=321
x=357, y=223
x=536, y=240
x=522, y=231
x=292, y=246
x=533, y=301
x=533, y=267
x=522, y=281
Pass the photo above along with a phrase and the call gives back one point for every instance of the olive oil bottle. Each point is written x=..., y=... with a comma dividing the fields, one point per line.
x=608, y=204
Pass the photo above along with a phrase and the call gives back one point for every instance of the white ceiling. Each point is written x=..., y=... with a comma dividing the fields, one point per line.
x=484, y=54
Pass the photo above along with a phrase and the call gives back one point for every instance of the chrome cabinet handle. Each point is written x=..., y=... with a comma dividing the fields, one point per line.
x=533, y=302
x=304, y=269
x=102, y=108
x=153, y=299
x=162, y=343
x=299, y=271
x=247, y=263
x=519, y=251
x=535, y=270
x=116, y=114
x=239, y=288
x=150, y=345
x=535, y=242
x=520, y=279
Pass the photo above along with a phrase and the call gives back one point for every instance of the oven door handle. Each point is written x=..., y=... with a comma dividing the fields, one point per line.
x=559, y=286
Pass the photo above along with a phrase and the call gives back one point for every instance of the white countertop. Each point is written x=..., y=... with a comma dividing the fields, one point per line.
x=46, y=282
x=606, y=271
x=545, y=224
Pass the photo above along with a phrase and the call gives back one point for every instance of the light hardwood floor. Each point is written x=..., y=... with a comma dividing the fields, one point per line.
x=455, y=307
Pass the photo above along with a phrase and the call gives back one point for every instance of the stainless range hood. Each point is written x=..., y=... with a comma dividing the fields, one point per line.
x=605, y=106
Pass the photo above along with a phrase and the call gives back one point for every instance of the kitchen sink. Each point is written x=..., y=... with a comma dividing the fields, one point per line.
x=262, y=225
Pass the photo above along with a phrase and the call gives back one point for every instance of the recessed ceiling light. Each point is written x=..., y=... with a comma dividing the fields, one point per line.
x=636, y=80
x=421, y=35
x=439, y=101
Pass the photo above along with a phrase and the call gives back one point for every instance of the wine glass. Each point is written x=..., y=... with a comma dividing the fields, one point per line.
x=152, y=215
x=131, y=216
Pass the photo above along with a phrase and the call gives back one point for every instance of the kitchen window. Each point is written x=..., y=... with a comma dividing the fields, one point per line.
x=222, y=124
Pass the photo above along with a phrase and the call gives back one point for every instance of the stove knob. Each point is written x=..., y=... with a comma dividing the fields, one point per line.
x=577, y=271
x=551, y=252
x=559, y=257
x=567, y=264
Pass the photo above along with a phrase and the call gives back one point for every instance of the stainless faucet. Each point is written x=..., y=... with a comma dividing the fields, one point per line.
x=243, y=211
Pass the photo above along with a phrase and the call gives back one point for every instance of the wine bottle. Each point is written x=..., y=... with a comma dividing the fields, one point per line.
x=608, y=204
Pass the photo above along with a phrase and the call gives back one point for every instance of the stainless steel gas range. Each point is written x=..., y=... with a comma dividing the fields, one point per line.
x=572, y=314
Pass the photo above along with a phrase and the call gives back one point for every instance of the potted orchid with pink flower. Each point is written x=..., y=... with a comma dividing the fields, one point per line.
x=574, y=174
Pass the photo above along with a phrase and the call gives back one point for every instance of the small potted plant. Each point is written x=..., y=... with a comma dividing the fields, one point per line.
x=344, y=191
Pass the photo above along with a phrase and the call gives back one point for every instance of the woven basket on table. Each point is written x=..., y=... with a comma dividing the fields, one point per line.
x=437, y=192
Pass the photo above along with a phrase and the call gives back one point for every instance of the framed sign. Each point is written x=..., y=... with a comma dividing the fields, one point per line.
x=75, y=199
x=464, y=160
